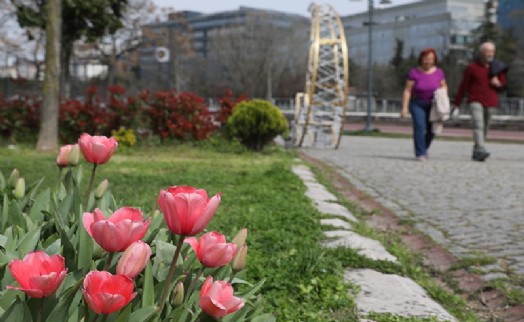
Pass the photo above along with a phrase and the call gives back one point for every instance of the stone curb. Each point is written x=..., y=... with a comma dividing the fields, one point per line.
x=379, y=293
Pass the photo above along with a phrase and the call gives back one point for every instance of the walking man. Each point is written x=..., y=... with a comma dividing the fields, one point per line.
x=482, y=89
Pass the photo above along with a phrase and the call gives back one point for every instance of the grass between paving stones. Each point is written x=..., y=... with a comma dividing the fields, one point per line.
x=409, y=265
x=304, y=282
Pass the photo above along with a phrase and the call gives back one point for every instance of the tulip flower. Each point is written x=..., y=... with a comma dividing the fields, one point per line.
x=106, y=293
x=124, y=227
x=134, y=259
x=187, y=210
x=217, y=300
x=239, y=262
x=68, y=155
x=19, y=191
x=97, y=149
x=38, y=274
x=177, y=296
x=13, y=178
x=212, y=249
x=240, y=238
x=101, y=189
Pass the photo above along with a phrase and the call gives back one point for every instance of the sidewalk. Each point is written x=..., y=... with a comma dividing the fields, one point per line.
x=456, y=132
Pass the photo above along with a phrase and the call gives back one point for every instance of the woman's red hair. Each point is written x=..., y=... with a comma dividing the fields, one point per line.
x=426, y=52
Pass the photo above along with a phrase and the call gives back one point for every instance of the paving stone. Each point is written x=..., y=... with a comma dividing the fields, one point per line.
x=367, y=247
x=335, y=222
x=332, y=208
x=387, y=293
x=303, y=172
x=318, y=192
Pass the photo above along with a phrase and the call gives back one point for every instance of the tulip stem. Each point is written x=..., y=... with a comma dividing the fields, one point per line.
x=90, y=186
x=170, y=274
x=107, y=265
x=59, y=178
x=232, y=277
x=40, y=308
x=69, y=180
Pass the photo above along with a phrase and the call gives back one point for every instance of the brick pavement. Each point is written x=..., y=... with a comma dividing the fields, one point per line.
x=470, y=208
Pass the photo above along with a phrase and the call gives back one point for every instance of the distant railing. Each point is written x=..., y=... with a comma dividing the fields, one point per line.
x=358, y=104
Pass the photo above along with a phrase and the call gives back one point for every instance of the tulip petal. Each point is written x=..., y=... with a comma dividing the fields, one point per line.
x=166, y=201
x=212, y=307
x=31, y=292
x=207, y=214
x=133, y=214
x=108, y=236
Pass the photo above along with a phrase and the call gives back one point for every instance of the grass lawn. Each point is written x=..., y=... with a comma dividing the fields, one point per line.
x=304, y=282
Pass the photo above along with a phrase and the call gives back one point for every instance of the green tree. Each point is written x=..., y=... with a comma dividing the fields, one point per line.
x=81, y=19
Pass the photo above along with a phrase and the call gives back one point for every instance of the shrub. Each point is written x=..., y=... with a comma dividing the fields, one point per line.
x=256, y=123
x=182, y=116
x=19, y=117
x=227, y=104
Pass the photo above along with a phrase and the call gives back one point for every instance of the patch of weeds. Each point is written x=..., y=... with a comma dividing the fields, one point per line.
x=407, y=222
x=379, y=317
x=477, y=260
x=511, y=288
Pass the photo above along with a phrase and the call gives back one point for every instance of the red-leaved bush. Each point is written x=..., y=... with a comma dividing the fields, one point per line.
x=167, y=114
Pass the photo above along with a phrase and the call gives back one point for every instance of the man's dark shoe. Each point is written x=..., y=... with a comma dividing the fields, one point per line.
x=480, y=156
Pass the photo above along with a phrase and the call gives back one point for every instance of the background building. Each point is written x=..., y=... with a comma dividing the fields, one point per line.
x=250, y=49
x=510, y=16
x=445, y=25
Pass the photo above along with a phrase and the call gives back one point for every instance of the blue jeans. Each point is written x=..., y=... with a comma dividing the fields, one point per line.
x=422, y=129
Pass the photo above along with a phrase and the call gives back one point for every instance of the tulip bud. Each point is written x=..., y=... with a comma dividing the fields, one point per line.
x=13, y=178
x=239, y=262
x=19, y=191
x=134, y=259
x=240, y=238
x=101, y=189
x=74, y=155
x=177, y=296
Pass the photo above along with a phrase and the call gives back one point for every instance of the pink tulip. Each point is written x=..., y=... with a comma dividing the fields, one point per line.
x=38, y=274
x=187, y=210
x=212, y=250
x=67, y=156
x=134, y=259
x=106, y=293
x=217, y=300
x=97, y=149
x=124, y=227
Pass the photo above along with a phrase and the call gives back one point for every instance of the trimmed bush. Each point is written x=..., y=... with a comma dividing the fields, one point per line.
x=256, y=123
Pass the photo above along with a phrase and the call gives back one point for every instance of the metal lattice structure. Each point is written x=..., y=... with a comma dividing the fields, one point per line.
x=320, y=111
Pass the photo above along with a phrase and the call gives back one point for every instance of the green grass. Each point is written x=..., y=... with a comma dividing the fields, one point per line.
x=303, y=281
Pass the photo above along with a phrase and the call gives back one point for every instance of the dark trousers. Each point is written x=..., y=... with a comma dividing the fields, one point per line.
x=422, y=129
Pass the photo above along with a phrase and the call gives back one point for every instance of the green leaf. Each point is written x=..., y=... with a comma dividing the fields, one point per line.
x=85, y=248
x=17, y=312
x=29, y=241
x=70, y=298
x=124, y=315
x=2, y=182
x=3, y=240
x=264, y=318
x=253, y=290
x=143, y=314
x=148, y=296
x=41, y=203
x=16, y=216
x=5, y=213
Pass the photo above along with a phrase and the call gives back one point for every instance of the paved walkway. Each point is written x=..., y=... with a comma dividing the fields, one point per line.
x=470, y=208
x=405, y=128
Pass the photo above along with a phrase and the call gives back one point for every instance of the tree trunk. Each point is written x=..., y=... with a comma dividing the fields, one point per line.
x=48, y=135
x=65, y=75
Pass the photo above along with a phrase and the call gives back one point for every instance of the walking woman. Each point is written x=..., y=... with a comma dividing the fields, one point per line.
x=422, y=82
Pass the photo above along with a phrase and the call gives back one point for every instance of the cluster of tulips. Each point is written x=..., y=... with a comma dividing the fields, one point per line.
x=186, y=211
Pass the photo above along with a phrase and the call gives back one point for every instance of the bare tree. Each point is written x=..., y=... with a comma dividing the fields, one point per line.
x=253, y=56
x=48, y=135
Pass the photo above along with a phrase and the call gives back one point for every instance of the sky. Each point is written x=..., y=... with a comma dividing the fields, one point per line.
x=342, y=7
